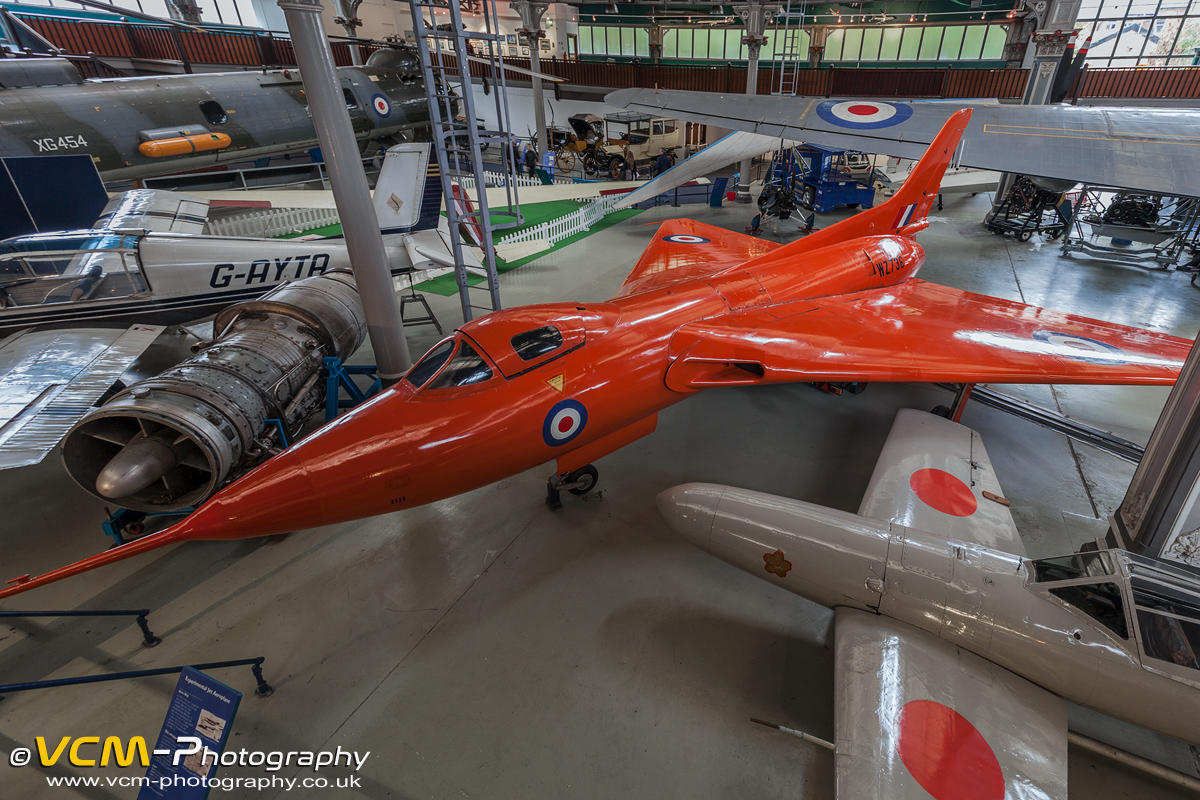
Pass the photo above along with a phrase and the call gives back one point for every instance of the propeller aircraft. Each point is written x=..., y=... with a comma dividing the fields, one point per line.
x=954, y=654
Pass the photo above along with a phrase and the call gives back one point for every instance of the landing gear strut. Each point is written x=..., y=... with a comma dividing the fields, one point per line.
x=581, y=481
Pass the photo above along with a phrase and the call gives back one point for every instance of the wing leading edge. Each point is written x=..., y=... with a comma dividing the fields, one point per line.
x=922, y=332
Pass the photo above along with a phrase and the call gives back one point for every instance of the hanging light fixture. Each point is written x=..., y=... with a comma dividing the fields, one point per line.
x=716, y=10
x=611, y=8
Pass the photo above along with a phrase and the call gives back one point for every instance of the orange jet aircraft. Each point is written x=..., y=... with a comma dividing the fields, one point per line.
x=704, y=307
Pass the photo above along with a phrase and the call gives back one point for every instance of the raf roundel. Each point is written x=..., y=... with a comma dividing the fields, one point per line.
x=686, y=238
x=381, y=105
x=564, y=422
x=863, y=114
x=1080, y=348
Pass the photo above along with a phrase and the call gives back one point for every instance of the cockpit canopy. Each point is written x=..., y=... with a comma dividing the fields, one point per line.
x=463, y=366
x=516, y=341
x=1108, y=585
x=68, y=267
x=54, y=253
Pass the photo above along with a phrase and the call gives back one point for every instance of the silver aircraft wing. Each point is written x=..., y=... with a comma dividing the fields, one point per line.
x=917, y=717
x=49, y=379
x=155, y=210
x=728, y=149
x=1149, y=149
x=935, y=475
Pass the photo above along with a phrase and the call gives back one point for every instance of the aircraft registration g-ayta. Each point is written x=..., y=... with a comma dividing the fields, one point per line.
x=954, y=654
x=147, y=265
x=703, y=307
x=149, y=261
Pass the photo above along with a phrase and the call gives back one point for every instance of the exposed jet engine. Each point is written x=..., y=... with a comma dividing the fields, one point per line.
x=169, y=442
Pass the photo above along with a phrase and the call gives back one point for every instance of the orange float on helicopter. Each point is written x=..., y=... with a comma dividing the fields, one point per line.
x=184, y=145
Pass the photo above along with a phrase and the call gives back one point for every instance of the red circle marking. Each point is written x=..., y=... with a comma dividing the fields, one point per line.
x=565, y=423
x=941, y=490
x=862, y=110
x=947, y=754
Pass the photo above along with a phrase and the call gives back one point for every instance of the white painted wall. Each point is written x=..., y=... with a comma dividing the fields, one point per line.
x=520, y=107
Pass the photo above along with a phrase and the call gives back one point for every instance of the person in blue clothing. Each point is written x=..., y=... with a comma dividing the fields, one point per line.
x=662, y=163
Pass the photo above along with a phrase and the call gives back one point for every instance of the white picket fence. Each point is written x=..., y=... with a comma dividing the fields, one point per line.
x=563, y=227
x=267, y=222
x=496, y=179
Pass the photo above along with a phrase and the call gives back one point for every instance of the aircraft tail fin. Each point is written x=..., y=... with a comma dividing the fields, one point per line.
x=905, y=212
x=408, y=193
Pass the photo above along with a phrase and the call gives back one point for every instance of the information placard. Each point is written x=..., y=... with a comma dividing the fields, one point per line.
x=202, y=712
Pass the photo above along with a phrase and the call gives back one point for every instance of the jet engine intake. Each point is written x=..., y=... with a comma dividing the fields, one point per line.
x=171, y=441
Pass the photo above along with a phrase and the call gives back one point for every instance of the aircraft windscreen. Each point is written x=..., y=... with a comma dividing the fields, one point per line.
x=1169, y=617
x=467, y=367
x=537, y=342
x=1080, y=565
x=1100, y=601
x=60, y=243
x=1170, y=639
x=429, y=364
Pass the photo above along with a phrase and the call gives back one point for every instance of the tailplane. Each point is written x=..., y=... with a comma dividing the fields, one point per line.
x=408, y=193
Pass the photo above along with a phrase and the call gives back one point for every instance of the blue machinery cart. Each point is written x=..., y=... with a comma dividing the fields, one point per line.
x=826, y=178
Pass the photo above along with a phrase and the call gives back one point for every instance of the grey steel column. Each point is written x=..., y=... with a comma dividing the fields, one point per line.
x=349, y=184
x=1159, y=515
x=755, y=15
x=348, y=19
x=531, y=32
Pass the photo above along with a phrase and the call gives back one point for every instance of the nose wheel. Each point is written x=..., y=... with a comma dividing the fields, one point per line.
x=580, y=482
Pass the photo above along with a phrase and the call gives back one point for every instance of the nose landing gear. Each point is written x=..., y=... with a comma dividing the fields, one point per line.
x=580, y=482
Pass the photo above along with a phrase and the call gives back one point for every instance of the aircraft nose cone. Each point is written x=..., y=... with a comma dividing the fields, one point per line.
x=690, y=510
x=139, y=464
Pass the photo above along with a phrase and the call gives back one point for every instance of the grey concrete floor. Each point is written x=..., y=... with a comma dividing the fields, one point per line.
x=484, y=646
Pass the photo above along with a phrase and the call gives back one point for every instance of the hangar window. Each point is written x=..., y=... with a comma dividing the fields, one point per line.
x=214, y=112
x=430, y=363
x=1100, y=601
x=467, y=367
x=537, y=342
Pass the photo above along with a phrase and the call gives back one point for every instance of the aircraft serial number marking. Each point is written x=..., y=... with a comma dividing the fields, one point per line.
x=51, y=144
x=264, y=270
x=886, y=266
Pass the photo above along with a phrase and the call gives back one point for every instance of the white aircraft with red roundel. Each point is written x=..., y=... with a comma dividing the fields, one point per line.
x=955, y=654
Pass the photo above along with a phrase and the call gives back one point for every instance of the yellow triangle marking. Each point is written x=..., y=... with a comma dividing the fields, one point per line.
x=556, y=383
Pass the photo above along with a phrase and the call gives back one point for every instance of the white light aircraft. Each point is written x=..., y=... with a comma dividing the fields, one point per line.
x=149, y=264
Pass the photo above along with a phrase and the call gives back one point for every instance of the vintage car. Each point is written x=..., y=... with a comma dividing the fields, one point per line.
x=636, y=137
